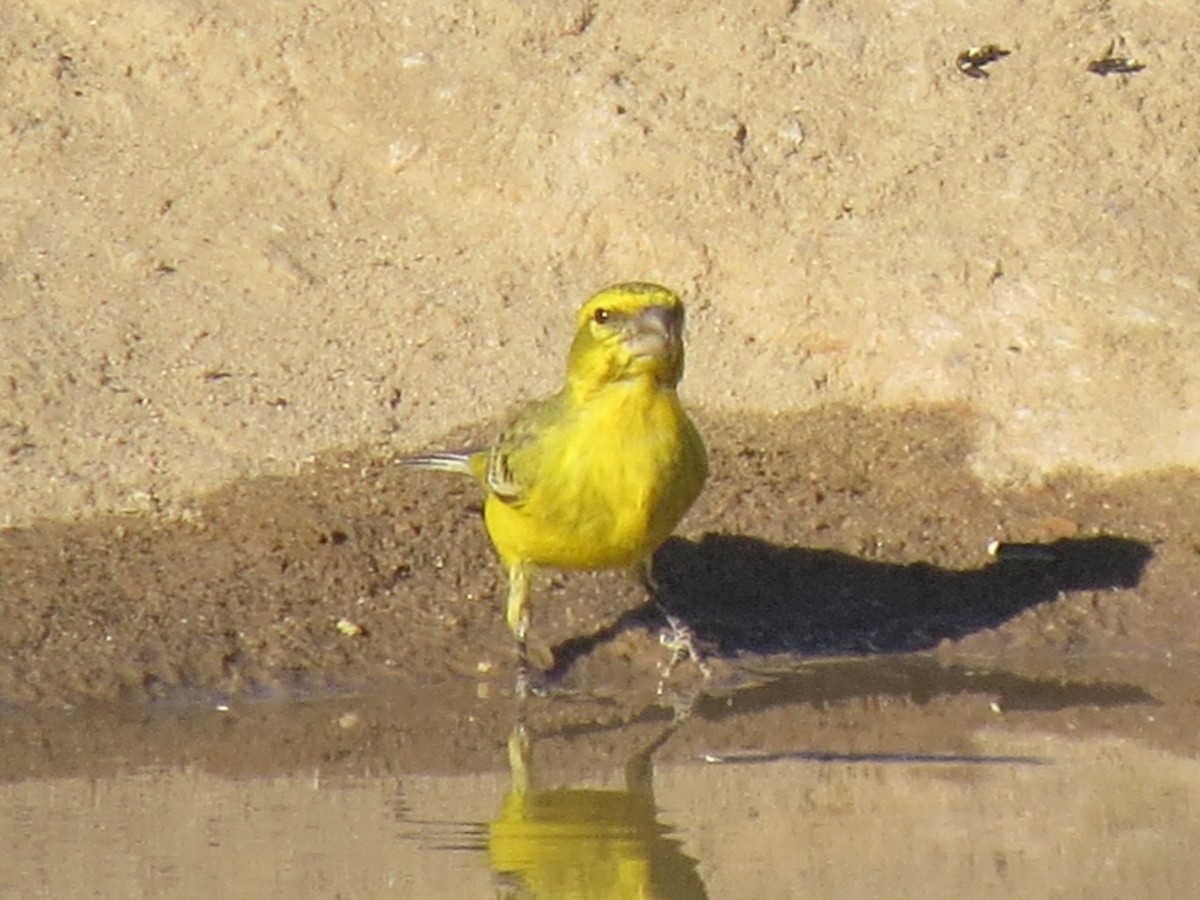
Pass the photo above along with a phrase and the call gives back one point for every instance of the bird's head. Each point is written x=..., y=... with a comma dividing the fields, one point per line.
x=628, y=331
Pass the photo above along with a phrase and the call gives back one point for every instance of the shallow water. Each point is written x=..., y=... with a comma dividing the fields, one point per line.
x=886, y=797
x=1090, y=818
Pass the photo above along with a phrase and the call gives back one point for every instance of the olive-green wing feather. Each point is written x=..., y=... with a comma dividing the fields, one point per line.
x=515, y=458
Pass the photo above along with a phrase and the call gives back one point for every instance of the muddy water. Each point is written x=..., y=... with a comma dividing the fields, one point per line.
x=883, y=777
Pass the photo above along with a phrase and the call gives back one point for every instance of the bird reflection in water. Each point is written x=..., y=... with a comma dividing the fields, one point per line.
x=587, y=842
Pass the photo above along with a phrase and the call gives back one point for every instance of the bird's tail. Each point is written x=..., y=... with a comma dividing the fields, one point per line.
x=459, y=461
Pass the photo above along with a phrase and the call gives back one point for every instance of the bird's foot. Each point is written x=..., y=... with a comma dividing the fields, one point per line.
x=521, y=686
x=533, y=682
x=682, y=701
x=681, y=641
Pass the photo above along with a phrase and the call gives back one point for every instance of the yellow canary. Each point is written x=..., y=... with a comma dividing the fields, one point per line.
x=597, y=475
x=586, y=842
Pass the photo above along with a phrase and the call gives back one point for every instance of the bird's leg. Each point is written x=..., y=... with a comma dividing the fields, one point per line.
x=681, y=640
x=644, y=573
x=518, y=760
x=517, y=615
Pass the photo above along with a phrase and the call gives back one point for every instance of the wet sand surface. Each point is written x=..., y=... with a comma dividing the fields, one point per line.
x=190, y=713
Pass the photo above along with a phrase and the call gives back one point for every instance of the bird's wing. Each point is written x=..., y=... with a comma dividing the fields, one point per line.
x=515, y=459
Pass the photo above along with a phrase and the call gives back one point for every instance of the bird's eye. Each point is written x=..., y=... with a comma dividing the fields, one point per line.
x=600, y=316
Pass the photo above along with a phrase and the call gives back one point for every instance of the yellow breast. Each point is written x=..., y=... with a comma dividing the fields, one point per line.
x=614, y=478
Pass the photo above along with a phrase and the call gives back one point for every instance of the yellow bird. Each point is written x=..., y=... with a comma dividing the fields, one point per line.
x=597, y=475
x=584, y=842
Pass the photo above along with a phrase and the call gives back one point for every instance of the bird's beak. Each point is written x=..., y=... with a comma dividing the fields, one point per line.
x=655, y=331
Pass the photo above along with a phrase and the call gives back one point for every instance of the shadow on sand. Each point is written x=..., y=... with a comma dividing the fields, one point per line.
x=741, y=594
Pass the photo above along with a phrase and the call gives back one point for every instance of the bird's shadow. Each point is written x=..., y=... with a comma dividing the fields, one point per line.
x=740, y=594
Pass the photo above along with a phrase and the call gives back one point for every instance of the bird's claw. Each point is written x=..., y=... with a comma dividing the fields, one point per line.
x=532, y=682
x=681, y=641
x=521, y=687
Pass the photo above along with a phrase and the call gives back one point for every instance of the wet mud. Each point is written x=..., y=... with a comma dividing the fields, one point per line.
x=836, y=534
